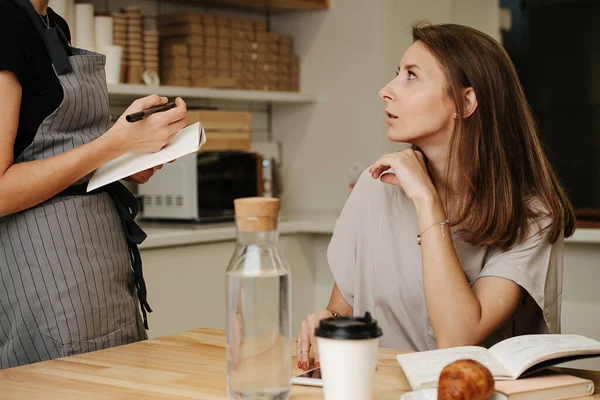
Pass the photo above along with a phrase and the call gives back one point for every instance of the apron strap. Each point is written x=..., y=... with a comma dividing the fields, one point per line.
x=127, y=208
x=58, y=54
x=64, y=37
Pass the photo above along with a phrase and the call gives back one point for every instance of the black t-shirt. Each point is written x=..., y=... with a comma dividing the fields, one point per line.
x=23, y=52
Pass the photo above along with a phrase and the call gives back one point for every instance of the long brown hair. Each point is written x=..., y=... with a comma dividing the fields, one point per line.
x=496, y=152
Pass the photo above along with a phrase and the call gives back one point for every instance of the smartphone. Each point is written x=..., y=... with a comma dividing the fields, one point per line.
x=309, y=378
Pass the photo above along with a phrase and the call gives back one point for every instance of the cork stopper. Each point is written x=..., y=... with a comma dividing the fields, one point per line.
x=256, y=214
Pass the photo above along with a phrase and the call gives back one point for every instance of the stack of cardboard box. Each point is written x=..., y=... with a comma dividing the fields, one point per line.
x=225, y=130
x=151, y=51
x=140, y=48
x=134, y=51
x=249, y=41
x=196, y=50
x=294, y=74
x=120, y=39
x=269, y=63
x=210, y=50
x=286, y=67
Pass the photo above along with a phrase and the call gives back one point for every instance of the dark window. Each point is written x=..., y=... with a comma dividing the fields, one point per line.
x=555, y=45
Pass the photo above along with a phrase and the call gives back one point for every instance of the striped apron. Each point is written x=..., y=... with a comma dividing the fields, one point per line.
x=66, y=279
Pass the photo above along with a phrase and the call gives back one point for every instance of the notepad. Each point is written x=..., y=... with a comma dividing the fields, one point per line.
x=186, y=141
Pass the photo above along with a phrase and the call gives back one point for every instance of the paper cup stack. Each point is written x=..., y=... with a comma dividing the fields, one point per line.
x=104, y=32
x=135, y=54
x=120, y=39
x=84, y=27
x=151, y=51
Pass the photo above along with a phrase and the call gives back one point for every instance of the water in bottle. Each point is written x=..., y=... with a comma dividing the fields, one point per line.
x=258, y=306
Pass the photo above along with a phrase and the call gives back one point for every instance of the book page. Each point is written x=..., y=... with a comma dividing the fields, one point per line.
x=186, y=141
x=521, y=352
x=423, y=369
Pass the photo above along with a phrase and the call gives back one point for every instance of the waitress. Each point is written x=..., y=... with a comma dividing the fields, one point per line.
x=70, y=271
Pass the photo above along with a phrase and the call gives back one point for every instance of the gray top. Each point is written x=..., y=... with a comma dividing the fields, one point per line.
x=377, y=266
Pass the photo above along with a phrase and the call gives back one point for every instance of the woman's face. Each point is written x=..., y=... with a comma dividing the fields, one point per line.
x=418, y=108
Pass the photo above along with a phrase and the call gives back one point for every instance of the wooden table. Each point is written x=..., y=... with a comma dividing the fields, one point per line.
x=189, y=365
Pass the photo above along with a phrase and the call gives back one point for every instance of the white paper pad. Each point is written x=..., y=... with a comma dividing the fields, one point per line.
x=186, y=141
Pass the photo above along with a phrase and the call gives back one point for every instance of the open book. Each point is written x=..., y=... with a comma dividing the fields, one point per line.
x=186, y=141
x=510, y=359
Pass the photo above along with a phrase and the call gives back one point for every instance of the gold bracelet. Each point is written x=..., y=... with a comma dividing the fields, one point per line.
x=442, y=223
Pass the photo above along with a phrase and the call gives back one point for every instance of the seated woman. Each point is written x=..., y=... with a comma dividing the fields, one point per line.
x=459, y=240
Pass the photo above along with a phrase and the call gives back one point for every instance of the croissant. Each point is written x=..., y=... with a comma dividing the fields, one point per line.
x=465, y=380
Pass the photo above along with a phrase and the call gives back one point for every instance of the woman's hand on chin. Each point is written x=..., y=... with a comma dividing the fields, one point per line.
x=408, y=171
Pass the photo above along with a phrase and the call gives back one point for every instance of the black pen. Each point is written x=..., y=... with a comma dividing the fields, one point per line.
x=137, y=116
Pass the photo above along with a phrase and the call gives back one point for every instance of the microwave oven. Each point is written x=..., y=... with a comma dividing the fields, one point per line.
x=202, y=186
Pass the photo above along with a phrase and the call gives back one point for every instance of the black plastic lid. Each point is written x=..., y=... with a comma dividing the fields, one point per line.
x=349, y=328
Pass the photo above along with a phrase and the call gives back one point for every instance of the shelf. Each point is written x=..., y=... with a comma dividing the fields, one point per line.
x=127, y=93
x=273, y=6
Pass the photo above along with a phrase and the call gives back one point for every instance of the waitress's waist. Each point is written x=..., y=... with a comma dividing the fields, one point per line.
x=75, y=190
x=81, y=190
x=126, y=206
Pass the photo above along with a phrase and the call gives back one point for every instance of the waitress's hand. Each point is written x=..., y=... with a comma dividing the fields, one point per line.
x=306, y=338
x=152, y=133
x=409, y=173
x=143, y=176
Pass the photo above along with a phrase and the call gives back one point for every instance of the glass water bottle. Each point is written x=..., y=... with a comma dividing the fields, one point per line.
x=258, y=306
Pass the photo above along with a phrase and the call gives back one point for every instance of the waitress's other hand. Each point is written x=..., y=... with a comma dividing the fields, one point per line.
x=143, y=176
x=306, y=338
x=152, y=133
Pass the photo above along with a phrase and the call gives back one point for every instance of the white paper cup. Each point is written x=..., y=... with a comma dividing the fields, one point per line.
x=348, y=356
x=84, y=27
x=104, y=31
x=114, y=54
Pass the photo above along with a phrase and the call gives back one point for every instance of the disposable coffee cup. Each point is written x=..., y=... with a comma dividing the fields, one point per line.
x=348, y=356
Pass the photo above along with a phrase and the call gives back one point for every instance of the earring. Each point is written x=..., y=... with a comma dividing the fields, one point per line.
x=455, y=115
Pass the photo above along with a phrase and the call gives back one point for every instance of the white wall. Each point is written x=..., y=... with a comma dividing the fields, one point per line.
x=342, y=52
x=348, y=54
x=581, y=297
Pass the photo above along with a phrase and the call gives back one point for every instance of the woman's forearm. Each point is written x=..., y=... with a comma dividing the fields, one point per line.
x=454, y=310
x=27, y=184
x=338, y=304
x=24, y=185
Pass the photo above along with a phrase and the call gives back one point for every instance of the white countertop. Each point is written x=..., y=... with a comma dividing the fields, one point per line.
x=170, y=235
x=585, y=236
